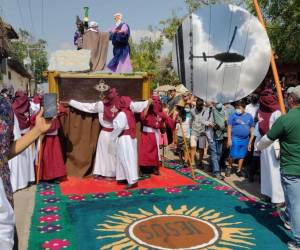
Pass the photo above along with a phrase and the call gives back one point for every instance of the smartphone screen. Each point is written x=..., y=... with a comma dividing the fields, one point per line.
x=50, y=105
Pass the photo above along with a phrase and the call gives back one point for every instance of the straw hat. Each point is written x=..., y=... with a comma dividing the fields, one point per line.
x=181, y=89
x=180, y=103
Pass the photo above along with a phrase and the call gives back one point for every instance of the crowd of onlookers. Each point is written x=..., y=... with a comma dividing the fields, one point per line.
x=226, y=131
x=213, y=126
x=254, y=134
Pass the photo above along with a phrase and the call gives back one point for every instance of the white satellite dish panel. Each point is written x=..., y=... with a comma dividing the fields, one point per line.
x=221, y=53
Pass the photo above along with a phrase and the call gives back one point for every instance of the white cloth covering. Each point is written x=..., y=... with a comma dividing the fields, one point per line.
x=105, y=160
x=270, y=167
x=252, y=109
x=105, y=163
x=21, y=166
x=126, y=151
x=7, y=221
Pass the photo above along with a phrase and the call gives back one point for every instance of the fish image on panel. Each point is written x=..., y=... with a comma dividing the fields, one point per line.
x=221, y=53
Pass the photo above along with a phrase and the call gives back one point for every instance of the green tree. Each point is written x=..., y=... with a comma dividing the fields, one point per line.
x=146, y=54
x=282, y=19
x=166, y=74
x=26, y=46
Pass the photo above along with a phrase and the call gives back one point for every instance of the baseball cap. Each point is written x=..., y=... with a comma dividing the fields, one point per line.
x=295, y=91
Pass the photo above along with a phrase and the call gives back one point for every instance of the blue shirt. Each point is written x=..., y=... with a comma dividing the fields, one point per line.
x=241, y=125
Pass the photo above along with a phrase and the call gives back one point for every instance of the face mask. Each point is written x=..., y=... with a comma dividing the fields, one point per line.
x=238, y=111
x=187, y=110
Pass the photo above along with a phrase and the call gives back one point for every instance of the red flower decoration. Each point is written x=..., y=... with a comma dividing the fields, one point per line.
x=47, y=192
x=248, y=199
x=123, y=193
x=226, y=188
x=185, y=170
x=48, y=209
x=275, y=214
x=173, y=190
x=172, y=163
x=55, y=244
x=49, y=218
x=200, y=177
x=76, y=197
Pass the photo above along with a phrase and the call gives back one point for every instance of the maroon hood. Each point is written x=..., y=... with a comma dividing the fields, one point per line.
x=21, y=107
x=125, y=107
x=268, y=103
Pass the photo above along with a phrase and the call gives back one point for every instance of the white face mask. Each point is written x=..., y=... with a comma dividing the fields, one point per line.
x=238, y=111
x=187, y=110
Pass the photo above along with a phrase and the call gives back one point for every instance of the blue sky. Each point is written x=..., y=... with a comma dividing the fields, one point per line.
x=58, y=23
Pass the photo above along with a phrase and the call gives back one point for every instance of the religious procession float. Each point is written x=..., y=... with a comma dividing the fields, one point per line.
x=83, y=75
x=215, y=54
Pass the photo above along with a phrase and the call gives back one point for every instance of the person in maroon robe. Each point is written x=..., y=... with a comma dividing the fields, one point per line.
x=21, y=107
x=52, y=164
x=152, y=119
x=268, y=103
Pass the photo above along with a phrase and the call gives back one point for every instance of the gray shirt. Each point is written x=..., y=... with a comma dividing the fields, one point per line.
x=199, y=121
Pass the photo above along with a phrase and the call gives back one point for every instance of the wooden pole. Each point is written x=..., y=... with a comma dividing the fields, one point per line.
x=40, y=155
x=187, y=150
x=163, y=156
x=273, y=63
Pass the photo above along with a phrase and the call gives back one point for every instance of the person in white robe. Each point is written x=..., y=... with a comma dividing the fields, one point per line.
x=21, y=166
x=270, y=169
x=7, y=221
x=124, y=139
x=105, y=162
x=35, y=106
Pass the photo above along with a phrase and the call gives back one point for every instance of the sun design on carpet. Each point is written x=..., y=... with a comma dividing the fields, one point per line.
x=183, y=228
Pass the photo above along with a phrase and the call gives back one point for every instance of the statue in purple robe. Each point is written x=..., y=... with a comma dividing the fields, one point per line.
x=119, y=35
x=78, y=33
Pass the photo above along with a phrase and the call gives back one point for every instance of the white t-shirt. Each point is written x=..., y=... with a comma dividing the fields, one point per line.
x=186, y=126
x=252, y=109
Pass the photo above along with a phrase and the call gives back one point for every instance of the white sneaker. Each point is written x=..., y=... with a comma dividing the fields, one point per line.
x=292, y=245
x=286, y=224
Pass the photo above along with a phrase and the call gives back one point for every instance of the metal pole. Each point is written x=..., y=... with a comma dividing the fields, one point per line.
x=273, y=63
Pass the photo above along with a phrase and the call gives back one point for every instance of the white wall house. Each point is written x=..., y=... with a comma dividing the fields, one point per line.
x=13, y=74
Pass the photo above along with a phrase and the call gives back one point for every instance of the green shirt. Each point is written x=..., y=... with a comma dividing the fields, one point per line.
x=287, y=130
